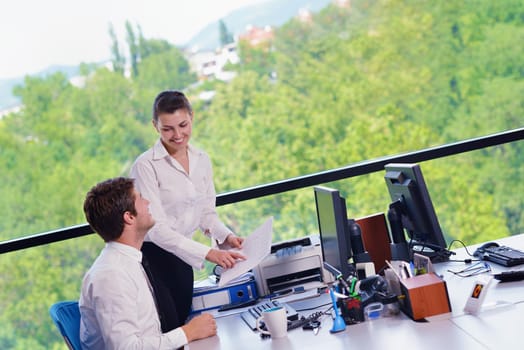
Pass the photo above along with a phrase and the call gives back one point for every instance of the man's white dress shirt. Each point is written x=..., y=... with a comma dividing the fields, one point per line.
x=117, y=307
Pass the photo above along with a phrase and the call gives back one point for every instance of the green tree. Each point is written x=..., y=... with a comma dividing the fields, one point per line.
x=259, y=59
x=225, y=35
x=132, y=43
x=166, y=70
x=118, y=59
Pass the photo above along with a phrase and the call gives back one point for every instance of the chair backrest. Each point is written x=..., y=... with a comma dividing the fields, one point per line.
x=66, y=316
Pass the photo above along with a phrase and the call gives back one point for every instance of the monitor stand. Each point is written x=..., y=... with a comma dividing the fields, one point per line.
x=400, y=251
x=399, y=248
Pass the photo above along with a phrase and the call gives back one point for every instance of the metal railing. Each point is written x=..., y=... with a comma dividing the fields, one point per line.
x=353, y=170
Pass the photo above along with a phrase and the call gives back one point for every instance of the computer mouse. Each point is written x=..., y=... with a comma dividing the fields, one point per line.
x=480, y=250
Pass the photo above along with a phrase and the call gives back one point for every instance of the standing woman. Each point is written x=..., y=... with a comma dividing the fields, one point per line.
x=177, y=179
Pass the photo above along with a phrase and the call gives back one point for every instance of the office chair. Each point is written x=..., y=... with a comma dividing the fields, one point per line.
x=66, y=316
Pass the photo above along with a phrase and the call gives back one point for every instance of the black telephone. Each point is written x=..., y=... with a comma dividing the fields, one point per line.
x=480, y=250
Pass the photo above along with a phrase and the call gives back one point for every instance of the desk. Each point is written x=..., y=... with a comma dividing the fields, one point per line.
x=493, y=328
x=497, y=327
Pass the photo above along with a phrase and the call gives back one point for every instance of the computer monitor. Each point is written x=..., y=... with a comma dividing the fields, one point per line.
x=410, y=197
x=334, y=229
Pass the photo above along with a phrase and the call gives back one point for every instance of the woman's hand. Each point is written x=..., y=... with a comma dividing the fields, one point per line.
x=224, y=258
x=234, y=241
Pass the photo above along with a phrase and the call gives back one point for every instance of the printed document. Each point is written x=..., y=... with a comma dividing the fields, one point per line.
x=255, y=248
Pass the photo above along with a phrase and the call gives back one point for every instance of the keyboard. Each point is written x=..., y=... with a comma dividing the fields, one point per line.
x=251, y=315
x=503, y=255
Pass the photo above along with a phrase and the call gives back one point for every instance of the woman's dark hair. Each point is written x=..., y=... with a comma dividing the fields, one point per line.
x=105, y=205
x=169, y=101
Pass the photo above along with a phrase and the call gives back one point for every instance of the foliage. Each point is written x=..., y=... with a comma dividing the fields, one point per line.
x=118, y=60
x=226, y=37
x=258, y=59
x=377, y=79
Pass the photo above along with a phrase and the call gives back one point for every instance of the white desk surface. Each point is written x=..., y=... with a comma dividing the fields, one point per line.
x=499, y=325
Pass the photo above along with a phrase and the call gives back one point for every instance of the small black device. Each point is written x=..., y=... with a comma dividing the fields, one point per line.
x=500, y=254
x=311, y=320
x=374, y=289
x=360, y=254
x=251, y=315
x=510, y=276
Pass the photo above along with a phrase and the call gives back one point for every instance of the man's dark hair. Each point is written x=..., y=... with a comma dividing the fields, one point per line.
x=105, y=205
x=169, y=101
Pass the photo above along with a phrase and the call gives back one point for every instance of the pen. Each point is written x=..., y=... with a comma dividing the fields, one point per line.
x=411, y=269
x=408, y=269
x=352, y=291
x=404, y=270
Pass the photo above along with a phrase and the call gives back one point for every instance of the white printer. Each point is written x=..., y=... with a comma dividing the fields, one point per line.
x=291, y=264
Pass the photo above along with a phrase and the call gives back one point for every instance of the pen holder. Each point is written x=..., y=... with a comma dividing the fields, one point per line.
x=351, y=310
x=424, y=295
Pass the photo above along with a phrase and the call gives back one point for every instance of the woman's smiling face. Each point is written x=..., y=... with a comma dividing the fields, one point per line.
x=175, y=130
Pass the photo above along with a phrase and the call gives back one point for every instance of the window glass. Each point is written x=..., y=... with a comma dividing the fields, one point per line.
x=301, y=90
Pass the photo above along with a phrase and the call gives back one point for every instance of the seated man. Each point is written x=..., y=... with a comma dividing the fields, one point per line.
x=116, y=303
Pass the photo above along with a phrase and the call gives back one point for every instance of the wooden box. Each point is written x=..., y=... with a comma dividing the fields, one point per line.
x=424, y=295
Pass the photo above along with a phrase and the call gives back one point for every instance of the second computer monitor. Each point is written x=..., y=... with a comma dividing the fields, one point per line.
x=407, y=188
x=333, y=229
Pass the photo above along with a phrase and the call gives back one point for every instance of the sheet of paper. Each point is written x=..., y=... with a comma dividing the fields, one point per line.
x=255, y=248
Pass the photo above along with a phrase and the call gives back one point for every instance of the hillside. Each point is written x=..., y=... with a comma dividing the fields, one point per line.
x=7, y=99
x=273, y=13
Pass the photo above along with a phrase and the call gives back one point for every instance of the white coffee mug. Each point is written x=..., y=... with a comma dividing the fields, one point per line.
x=275, y=320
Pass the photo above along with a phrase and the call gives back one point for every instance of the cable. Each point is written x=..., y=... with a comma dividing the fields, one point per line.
x=467, y=260
x=317, y=307
x=463, y=245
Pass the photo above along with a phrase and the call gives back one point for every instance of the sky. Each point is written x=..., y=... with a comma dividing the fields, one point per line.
x=35, y=34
